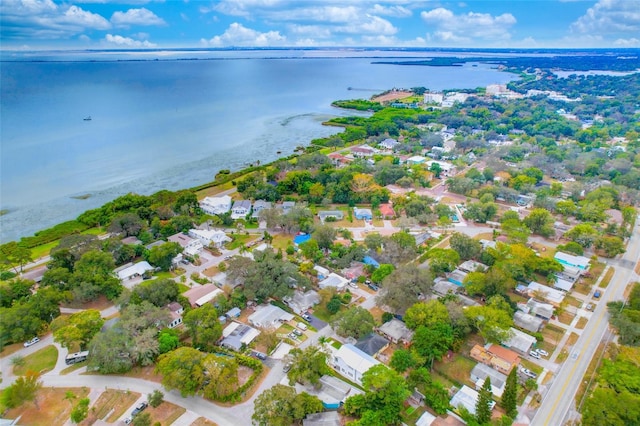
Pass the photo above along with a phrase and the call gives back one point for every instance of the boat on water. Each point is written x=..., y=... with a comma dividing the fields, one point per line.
x=87, y=118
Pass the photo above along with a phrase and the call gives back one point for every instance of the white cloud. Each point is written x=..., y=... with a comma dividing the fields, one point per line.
x=78, y=17
x=467, y=28
x=627, y=42
x=394, y=11
x=244, y=8
x=239, y=35
x=121, y=41
x=327, y=14
x=608, y=17
x=141, y=16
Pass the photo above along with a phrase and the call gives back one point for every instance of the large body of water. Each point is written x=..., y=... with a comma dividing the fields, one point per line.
x=169, y=124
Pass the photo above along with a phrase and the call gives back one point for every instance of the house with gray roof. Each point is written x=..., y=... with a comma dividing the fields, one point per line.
x=235, y=335
x=332, y=391
x=336, y=214
x=334, y=280
x=269, y=316
x=479, y=374
x=528, y=322
x=396, y=331
x=300, y=302
x=519, y=341
x=372, y=344
x=240, y=209
x=258, y=206
x=326, y=418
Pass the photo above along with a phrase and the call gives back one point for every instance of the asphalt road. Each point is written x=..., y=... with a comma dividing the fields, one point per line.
x=560, y=398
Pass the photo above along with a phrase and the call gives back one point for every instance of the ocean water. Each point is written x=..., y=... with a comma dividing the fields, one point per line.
x=168, y=123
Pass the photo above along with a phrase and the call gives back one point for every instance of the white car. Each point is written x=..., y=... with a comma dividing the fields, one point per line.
x=534, y=354
x=128, y=420
x=542, y=352
x=529, y=373
x=31, y=342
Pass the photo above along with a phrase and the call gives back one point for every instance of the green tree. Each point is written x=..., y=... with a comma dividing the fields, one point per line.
x=161, y=256
x=79, y=413
x=540, y=222
x=465, y=246
x=155, y=398
x=483, y=405
x=382, y=402
x=93, y=275
x=307, y=365
x=426, y=314
x=333, y=305
x=434, y=341
x=310, y=249
x=159, y=292
x=324, y=235
x=355, y=322
x=182, y=369
x=404, y=287
x=381, y=272
x=402, y=360
x=583, y=234
x=608, y=407
x=168, y=339
x=510, y=394
x=142, y=419
x=492, y=320
x=203, y=326
x=611, y=246
x=79, y=328
x=15, y=255
x=281, y=406
x=24, y=389
x=221, y=376
x=442, y=260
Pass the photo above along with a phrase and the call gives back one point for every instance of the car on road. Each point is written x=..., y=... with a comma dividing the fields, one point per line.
x=128, y=420
x=139, y=408
x=306, y=316
x=31, y=342
x=534, y=354
x=542, y=352
x=529, y=373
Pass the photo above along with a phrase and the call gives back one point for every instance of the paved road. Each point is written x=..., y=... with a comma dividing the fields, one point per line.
x=560, y=399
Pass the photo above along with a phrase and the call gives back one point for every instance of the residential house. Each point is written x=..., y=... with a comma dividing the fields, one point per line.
x=354, y=271
x=201, y=294
x=287, y=206
x=362, y=151
x=527, y=321
x=210, y=237
x=258, y=206
x=269, y=316
x=457, y=276
x=130, y=271
x=570, y=273
x=396, y=331
x=452, y=98
x=339, y=160
x=487, y=244
x=562, y=284
x=373, y=344
x=216, y=205
x=433, y=98
x=131, y=241
x=322, y=272
x=334, y=280
x=221, y=279
x=175, y=311
x=467, y=398
x=335, y=214
x=235, y=335
x=580, y=262
x=444, y=287
x=240, y=209
x=332, y=391
x=190, y=246
x=387, y=211
x=362, y=214
x=447, y=169
x=416, y=159
x=519, y=342
x=479, y=374
x=543, y=292
x=300, y=302
x=351, y=362
x=502, y=359
x=388, y=143
x=540, y=310
x=472, y=266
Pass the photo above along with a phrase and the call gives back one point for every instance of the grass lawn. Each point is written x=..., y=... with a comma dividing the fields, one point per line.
x=213, y=190
x=112, y=403
x=607, y=278
x=163, y=275
x=52, y=408
x=73, y=368
x=182, y=288
x=531, y=366
x=583, y=286
x=43, y=250
x=581, y=323
x=165, y=413
x=377, y=314
x=211, y=272
x=544, y=250
x=411, y=415
x=587, y=382
x=281, y=241
x=320, y=311
x=457, y=369
x=552, y=334
x=201, y=421
x=566, y=317
x=573, y=301
x=239, y=240
x=41, y=361
x=484, y=236
x=595, y=271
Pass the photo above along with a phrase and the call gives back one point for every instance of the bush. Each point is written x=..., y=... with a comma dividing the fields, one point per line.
x=387, y=316
x=155, y=398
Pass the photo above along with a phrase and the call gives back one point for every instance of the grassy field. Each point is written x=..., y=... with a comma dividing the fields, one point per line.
x=165, y=413
x=581, y=323
x=214, y=190
x=239, y=240
x=566, y=317
x=457, y=369
x=607, y=278
x=73, y=368
x=587, y=383
x=281, y=241
x=572, y=301
x=41, y=361
x=52, y=408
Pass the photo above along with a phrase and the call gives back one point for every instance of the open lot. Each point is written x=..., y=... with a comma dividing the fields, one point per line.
x=51, y=408
x=165, y=413
x=41, y=361
x=110, y=406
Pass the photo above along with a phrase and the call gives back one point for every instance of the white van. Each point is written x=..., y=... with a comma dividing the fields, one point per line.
x=302, y=326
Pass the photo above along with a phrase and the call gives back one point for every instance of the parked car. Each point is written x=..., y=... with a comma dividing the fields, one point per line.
x=542, y=352
x=597, y=294
x=353, y=284
x=297, y=332
x=139, y=408
x=128, y=420
x=286, y=367
x=31, y=342
x=292, y=336
x=260, y=355
x=373, y=287
x=534, y=354
x=529, y=373
x=589, y=307
x=306, y=316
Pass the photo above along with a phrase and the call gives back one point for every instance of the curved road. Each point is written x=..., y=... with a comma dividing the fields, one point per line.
x=560, y=398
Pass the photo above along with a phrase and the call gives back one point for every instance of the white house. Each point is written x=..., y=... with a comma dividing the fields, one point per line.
x=551, y=295
x=334, y=280
x=580, y=262
x=175, y=311
x=269, y=316
x=433, y=98
x=191, y=246
x=519, y=341
x=467, y=398
x=388, y=143
x=235, y=335
x=416, y=159
x=352, y=363
x=210, y=237
x=448, y=169
x=240, y=209
x=133, y=271
x=201, y=294
x=300, y=302
x=216, y=205
x=260, y=205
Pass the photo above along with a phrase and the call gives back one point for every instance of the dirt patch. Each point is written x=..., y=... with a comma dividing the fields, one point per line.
x=100, y=303
x=112, y=403
x=581, y=323
x=638, y=268
x=145, y=373
x=552, y=334
x=392, y=96
x=607, y=278
x=244, y=373
x=566, y=317
x=11, y=349
x=52, y=408
x=211, y=272
x=165, y=413
x=201, y=421
x=377, y=314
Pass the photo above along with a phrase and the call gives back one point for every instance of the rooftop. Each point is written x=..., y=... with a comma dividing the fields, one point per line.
x=372, y=344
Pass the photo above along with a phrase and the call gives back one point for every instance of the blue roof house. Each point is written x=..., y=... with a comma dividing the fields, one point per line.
x=362, y=214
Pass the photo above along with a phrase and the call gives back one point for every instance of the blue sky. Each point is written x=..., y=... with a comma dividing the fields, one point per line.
x=97, y=24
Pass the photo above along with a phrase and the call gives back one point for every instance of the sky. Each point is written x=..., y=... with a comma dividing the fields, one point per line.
x=127, y=24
